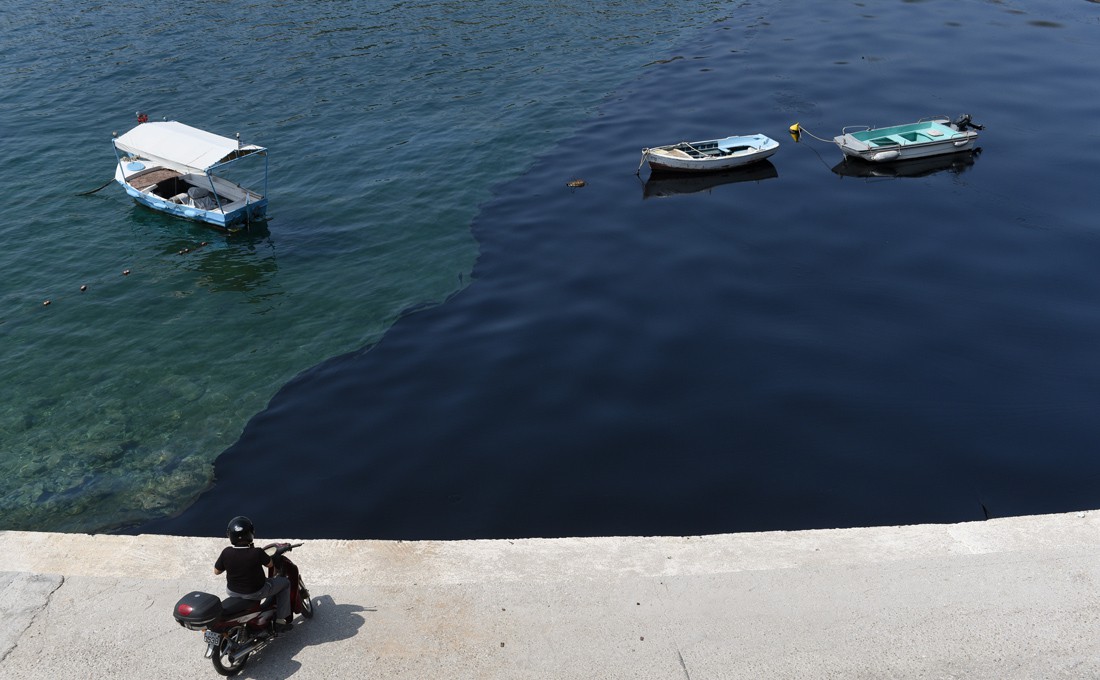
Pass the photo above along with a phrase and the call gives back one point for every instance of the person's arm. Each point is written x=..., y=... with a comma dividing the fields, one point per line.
x=217, y=572
x=269, y=561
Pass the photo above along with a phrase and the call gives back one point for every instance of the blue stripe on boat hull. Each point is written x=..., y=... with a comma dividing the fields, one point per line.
x=253, y=211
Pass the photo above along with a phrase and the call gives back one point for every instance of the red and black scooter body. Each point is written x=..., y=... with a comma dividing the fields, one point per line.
x=198, y=610
x=235, y=627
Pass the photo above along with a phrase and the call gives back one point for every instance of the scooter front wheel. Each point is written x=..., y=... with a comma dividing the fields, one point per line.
x=229, y=644
x=306, y=604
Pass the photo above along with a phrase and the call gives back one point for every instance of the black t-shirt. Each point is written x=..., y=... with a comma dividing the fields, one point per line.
x=244, y=568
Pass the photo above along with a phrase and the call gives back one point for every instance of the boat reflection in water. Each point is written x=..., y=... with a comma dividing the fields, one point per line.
x=665, y=184
x=920, y=167
x=242, y=263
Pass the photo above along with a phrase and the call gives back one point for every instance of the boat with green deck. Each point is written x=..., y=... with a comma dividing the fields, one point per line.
x=926, y=137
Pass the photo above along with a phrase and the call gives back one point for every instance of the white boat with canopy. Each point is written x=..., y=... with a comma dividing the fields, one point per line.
x=170, y=167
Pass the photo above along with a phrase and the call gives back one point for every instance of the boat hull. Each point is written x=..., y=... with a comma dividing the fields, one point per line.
x=710, y=155
x=906, y=153
x=253, y=212
x=906, y=142
x=228, y=217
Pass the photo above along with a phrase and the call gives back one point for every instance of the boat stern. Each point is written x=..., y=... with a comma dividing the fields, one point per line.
x=252, y=212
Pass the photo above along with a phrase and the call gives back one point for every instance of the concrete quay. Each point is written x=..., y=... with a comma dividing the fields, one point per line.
x=1004, y=598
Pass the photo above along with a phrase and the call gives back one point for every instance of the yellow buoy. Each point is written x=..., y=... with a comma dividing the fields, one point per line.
x=796, y=132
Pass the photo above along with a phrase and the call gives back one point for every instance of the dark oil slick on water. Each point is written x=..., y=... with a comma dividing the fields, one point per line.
x=799, y=346
x=807, y=344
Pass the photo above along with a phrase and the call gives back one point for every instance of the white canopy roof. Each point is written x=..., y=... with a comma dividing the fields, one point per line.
x=182, y=147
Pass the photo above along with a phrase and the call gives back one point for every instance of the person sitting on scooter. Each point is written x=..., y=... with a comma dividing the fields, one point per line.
x=243, y=565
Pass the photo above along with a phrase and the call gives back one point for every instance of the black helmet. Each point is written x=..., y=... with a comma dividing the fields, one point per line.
x=240, y=531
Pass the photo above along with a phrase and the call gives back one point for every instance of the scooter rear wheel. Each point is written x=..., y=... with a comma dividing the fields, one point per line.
x=229, y=643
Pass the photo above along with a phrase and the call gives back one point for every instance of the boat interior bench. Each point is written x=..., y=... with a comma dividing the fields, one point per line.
x=903, y=139
x=171, y=187
x=901, y=135
x=730, y=150
x=711, y=150
x=151, y=178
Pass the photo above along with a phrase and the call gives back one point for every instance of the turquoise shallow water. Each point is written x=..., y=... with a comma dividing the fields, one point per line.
x=387, y=123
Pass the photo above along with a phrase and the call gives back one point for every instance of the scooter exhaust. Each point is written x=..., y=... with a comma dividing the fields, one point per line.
x=248, y=649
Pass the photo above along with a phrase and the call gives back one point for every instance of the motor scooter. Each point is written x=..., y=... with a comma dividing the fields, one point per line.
x=236, y=627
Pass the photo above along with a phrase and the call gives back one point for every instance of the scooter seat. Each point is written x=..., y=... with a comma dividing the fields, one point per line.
x=232, y=606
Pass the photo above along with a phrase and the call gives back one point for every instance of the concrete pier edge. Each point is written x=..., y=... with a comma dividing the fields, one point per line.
x=1003, y=598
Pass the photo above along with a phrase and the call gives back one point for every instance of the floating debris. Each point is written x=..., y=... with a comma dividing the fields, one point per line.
x=83, y=288
x=125, y=272
x=185, y=251
x=575, y=183
x=46, y=303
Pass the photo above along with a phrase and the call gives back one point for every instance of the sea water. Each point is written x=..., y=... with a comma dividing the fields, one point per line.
x=387, y=122
x=436, y=337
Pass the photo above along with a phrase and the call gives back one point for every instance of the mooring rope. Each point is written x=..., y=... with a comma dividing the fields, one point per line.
x=796, y=132
x=797, y=129
x=88, y=193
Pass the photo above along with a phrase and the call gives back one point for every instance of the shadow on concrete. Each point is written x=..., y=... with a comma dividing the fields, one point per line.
x=332, y=622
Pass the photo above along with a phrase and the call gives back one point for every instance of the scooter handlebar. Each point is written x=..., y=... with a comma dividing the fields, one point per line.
x=281, y=548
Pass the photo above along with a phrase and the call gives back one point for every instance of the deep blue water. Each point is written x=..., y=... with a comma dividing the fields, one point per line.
x=793, y=347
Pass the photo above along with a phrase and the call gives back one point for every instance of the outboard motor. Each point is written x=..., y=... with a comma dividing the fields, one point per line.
x=963, y=122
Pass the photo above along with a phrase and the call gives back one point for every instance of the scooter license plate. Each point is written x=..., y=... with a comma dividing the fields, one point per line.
x=211, y=637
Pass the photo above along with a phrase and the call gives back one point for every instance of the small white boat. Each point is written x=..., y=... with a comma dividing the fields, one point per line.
x=169, y=166
x=710, y=155
x=926, y=137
